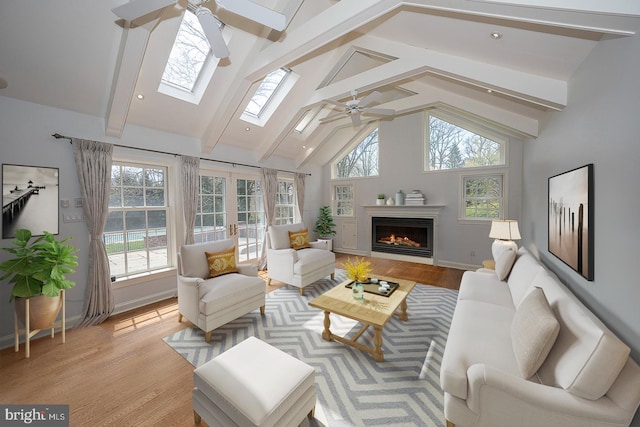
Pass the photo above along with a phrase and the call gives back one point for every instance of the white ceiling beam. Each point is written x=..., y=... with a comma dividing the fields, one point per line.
x=132, y=48
x=609, y=7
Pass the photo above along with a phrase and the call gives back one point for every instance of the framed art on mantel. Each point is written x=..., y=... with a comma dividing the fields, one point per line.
x=29, y=199
x=571, y=219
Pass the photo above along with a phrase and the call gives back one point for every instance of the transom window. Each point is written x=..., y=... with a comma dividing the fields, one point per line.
x=188, y=56
x=362, y=160
x=482, y=197
x=135, y=234
x=451, y=146
x=265, y=92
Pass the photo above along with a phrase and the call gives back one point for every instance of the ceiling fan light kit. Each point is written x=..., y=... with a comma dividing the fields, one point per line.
x=354, y=107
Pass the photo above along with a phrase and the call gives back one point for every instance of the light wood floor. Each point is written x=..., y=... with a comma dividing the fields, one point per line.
x=121, y=373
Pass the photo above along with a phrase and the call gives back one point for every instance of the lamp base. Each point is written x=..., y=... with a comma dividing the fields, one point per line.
x=501, y=246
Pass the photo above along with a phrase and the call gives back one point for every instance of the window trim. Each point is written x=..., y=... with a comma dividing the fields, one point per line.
x=469, y=125
x=334, y=199
x=129, y=278
x=486, y=172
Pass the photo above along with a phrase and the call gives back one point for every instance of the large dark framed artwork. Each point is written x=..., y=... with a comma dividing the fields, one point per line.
x=29, y=199
x=571, y=219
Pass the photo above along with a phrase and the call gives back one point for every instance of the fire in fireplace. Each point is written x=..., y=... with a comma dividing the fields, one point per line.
x=402, y=236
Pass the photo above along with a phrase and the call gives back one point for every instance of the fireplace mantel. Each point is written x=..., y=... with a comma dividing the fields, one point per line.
x=406, y=211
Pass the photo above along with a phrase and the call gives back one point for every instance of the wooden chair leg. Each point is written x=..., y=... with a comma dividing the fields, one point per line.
x=333, y=275
x=262, y=310
x=197, y=418
x=312, y=413
x=179, y=317
x=450, y=424
x=268, y=281
x=207, y=336
x=301, y=292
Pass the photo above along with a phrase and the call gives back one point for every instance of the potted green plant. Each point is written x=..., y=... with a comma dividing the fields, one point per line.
x=325, y=226
x=380, y=199
x=39, y=271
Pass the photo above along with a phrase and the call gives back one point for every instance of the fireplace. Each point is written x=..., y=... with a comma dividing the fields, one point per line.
x=402, y=236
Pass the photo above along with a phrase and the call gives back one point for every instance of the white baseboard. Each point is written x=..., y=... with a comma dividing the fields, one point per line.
x=141, y=302
x=458, y=265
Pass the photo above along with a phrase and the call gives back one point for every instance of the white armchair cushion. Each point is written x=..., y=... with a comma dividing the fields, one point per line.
x=194, y=261
x=533, y=332
x=310, y=260
x=279, y=235
x=219, y=293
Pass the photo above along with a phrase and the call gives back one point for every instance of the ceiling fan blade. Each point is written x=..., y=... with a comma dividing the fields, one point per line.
x=379, y=111
x=369, y=98
x=211, y=27
x=331, y=117
x=355, y=119
x=255, y=12
x=138, y=8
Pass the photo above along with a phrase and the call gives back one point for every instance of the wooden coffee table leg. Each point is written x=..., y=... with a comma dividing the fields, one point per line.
x=326, y=334
x=403, y=310
x=377, y=353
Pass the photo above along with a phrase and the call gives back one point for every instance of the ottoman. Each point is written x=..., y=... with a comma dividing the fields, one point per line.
x=254, y=384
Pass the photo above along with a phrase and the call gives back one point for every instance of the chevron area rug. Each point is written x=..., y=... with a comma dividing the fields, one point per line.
x=352, y=388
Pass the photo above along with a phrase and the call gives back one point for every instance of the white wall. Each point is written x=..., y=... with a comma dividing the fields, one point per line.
x=601, y=126
x=401, y=167
x=25, y=139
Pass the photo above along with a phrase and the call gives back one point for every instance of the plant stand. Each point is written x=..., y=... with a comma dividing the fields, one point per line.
x=29, y=333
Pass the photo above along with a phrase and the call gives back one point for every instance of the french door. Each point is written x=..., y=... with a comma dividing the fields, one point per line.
x=230, y=205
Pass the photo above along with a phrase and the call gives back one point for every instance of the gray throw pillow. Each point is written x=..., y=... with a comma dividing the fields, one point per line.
x=533, y=332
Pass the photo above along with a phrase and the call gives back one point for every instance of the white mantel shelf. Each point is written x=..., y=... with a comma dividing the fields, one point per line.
x=406, y=211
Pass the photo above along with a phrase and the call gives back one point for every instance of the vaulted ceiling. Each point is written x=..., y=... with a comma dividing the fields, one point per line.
x=77, y=55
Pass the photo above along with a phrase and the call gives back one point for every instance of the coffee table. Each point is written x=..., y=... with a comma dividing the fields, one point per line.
x=374, y=311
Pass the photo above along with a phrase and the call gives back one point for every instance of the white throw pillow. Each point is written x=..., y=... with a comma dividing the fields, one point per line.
x=533, y=332
x=504, y=263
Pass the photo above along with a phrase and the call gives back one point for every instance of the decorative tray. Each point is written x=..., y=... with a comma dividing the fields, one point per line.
x=372, y=288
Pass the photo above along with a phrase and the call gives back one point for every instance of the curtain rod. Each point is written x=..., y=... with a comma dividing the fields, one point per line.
x=234, y=164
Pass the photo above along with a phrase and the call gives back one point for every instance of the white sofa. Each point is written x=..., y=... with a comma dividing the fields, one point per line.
x=587, y=378
x=208, y=302
x=300, y=267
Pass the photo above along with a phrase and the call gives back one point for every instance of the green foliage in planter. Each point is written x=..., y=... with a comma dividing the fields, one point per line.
x=325, y=224
x=40, y=266
x=381, y=196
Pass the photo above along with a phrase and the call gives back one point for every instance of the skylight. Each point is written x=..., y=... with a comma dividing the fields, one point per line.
x=188, y=56
x=265, y=92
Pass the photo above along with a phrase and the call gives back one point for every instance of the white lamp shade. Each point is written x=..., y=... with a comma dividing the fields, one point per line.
x=505, y=230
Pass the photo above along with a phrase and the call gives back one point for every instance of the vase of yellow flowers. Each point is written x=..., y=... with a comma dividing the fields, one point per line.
x=358, y=271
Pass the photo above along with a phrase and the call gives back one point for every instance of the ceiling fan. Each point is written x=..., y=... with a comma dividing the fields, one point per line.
x=211, y=25
x=354, y=107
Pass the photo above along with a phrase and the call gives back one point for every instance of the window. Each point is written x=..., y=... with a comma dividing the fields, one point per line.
x=211, y=218
x=482, y=197
x=188, y=56
x=450, y=146
x=343, y=200
x=362, y=160
x=285, y=203
x=135, y=235
x=266, y=91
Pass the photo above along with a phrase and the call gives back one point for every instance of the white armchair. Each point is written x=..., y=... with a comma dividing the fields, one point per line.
x=300, y=267
x=209, y=302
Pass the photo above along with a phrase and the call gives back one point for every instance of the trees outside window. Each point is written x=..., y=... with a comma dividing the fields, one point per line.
x=453, y=147
x=482, y=197
x=362, y=160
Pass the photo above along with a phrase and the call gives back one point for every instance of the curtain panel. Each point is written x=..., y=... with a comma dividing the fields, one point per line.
x=269, y=192
x=298, y=183
x=190, y=183
x=93, y=165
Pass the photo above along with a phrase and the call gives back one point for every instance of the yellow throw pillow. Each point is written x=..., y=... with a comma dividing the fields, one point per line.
x=299, y=239
x=222, y=262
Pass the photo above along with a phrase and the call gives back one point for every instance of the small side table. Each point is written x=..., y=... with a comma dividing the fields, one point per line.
x=28, y=333
x=489, y=264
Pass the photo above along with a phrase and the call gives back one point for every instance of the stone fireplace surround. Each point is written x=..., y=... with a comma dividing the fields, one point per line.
x=405, y=211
